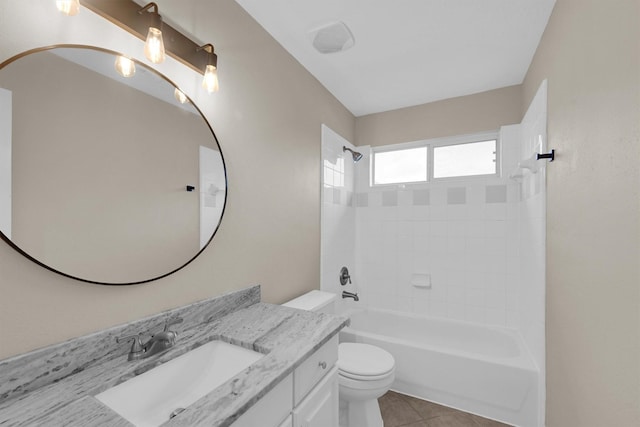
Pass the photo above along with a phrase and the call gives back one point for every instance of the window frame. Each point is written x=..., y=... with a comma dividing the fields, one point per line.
x=431, y=144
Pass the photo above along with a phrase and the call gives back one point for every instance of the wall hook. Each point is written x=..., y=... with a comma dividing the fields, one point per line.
x=190, y=188
x=551, y=156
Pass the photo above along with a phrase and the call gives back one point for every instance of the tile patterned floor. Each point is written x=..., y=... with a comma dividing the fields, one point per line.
x=399, y=410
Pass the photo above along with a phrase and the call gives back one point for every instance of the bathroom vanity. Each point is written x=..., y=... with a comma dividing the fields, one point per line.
x=293, y=384
x=307, y=397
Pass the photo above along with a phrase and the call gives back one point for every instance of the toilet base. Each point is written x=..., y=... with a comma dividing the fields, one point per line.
x=362, y=413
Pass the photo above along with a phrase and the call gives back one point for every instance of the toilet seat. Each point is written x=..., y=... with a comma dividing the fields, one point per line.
x=364, y=377
x=364, y=362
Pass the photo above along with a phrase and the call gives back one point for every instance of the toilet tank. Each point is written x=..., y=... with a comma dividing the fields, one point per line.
x=318, y=301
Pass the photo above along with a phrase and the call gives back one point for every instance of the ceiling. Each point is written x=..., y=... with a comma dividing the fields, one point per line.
x=410, y=52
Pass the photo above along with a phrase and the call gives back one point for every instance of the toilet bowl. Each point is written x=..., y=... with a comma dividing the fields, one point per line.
x=365, y=372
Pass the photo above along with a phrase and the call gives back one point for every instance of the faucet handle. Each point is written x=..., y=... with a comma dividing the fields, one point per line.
x=136, y=347
x=171, y=322
x=344, y=276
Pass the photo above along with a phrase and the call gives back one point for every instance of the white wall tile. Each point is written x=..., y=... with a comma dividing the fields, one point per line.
x=421, y=197
x=438, y=195
x=456, y=311
x=438, y=213
x=405, y=198
x=375, y=199
x=456, y=195
x=475, y=315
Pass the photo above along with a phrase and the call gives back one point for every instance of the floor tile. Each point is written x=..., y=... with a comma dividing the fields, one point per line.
x=396, y=411
x=485, y=422
x=416, y=424
x=428, y=409
x=399, y=410
x=457, y=419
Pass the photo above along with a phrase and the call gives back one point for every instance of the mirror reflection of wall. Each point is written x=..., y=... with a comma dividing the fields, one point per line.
x=212, y=194
x=100, y=169
x=5, y=162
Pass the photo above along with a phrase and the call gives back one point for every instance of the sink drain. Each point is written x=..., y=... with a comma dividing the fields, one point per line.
x=176, y=412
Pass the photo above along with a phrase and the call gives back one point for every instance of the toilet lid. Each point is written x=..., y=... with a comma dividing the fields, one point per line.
x=364, y=360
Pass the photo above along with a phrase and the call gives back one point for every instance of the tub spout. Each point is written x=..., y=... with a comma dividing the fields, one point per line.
x=353, y=295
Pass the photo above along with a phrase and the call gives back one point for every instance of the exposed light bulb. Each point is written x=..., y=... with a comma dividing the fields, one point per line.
x=154, y=46
x=180, y=96
x=68, y=7
x=210, y=80
x=125, y=67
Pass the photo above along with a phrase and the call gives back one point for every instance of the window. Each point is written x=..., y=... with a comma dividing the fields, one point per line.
x=400, y=166
x=420, y=162
x=475, y=158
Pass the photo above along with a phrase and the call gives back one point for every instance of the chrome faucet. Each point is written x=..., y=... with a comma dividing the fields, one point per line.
x=354, y=295
x=157, y=343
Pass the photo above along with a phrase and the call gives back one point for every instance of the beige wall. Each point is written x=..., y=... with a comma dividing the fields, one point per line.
x=267, y=117
x=590, y=55
x=485, y=111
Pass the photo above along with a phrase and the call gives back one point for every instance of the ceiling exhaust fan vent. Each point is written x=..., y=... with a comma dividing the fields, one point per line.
x=331, y=38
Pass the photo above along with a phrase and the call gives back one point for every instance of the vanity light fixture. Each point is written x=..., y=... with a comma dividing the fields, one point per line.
x=180, y=96
x=210, y=80
x=125, y=66
x=154, y=45
x=68, y=7
x=143, y=23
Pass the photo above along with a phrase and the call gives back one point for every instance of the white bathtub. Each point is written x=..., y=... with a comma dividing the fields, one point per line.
x=483, y=370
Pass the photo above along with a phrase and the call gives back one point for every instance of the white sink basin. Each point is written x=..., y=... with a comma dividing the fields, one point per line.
x=150, y=398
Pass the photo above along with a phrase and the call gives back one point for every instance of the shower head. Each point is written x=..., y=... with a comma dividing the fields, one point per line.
x=356, y=156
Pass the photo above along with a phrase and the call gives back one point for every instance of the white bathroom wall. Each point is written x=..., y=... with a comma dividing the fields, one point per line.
x=533, y=233
x=456, y=237
x=338, y=212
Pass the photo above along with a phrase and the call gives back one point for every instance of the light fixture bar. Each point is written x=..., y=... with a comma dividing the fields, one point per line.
x=124, y=13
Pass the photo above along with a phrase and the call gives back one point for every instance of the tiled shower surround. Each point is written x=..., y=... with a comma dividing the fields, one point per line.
x=445, y=250
x=468, y=249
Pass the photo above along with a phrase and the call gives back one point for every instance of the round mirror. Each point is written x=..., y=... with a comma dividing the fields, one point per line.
x=104, y=178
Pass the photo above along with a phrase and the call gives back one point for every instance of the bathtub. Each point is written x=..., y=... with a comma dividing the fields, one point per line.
x=479, y=369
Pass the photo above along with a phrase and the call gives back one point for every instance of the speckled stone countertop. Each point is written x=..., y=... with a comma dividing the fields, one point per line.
x=286, y=336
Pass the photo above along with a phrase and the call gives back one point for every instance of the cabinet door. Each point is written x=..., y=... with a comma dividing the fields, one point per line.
x=271, y=409
x=320, y=407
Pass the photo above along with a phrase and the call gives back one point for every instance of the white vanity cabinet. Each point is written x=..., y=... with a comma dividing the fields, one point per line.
x=306, y=398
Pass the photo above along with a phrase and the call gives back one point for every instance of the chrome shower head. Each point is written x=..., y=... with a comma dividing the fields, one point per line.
x=356, y=156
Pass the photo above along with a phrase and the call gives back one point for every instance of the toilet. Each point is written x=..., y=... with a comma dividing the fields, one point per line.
x=365, y=372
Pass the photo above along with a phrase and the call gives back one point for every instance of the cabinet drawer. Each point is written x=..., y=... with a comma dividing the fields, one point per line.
x=271, y=409
x=307, y=375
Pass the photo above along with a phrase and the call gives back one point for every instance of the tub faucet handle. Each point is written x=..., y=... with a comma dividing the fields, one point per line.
x=344, y=276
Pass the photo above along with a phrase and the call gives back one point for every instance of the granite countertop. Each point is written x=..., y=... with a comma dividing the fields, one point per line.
x=286, y=336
